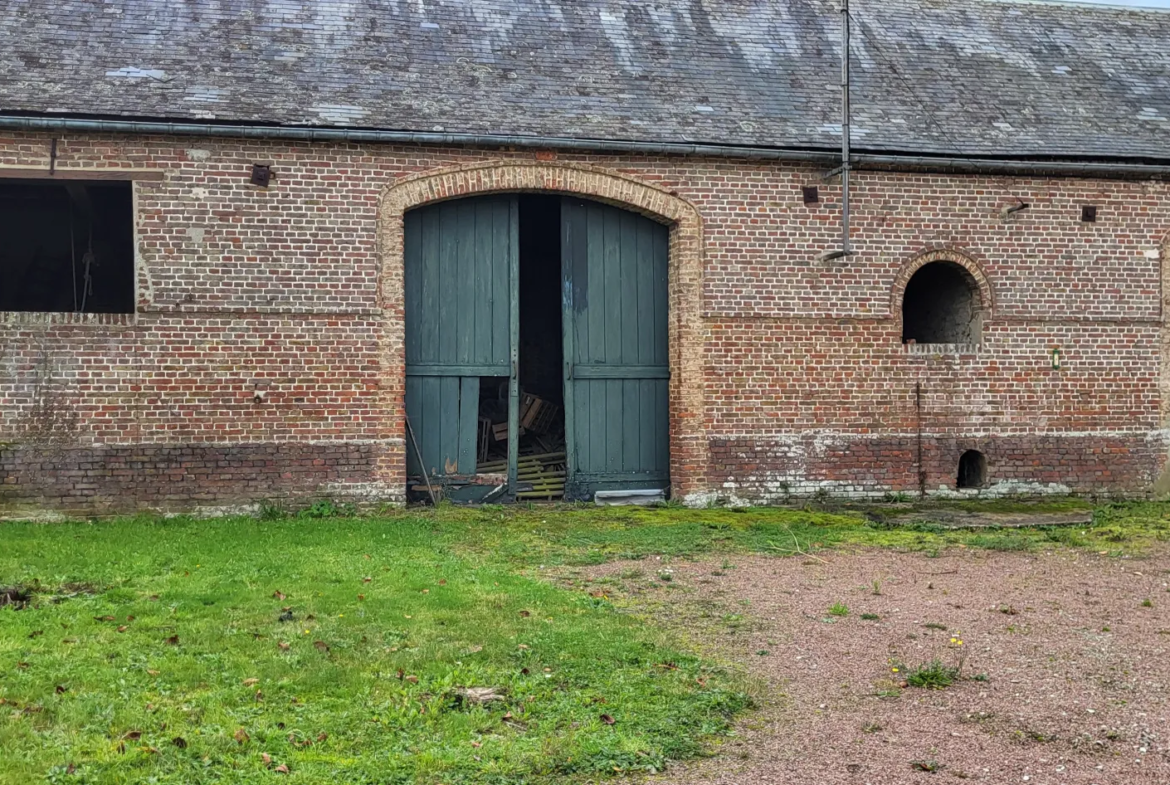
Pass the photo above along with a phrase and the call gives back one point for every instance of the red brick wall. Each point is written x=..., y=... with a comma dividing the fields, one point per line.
x=804, y=384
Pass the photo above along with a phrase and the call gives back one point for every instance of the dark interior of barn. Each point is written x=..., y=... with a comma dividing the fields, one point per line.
x=542, y=419
x=66, y=246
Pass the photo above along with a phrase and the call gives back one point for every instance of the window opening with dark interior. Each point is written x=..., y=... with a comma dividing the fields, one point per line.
x=972, y=470
x=66, y=246
x=941, y=305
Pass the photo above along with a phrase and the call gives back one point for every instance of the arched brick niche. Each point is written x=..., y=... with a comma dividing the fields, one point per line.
x=688, y=444
x=961, y=266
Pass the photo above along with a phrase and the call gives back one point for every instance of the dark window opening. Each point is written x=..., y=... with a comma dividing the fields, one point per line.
x=66, y=246
x=542, y=418
x=972, y=470
x=811, y=195
x=1089, y=213
x=941, y=305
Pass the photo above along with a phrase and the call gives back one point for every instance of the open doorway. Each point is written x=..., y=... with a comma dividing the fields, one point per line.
x=536, y=348
x=541, y=469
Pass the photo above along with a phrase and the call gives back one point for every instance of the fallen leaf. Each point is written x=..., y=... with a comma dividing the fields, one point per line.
x=282, y=769
x=129, y=618
x=103, y=618
x=264, y=756
x=366, y=555
x=426, y=591
x=521, y=646
x=179, y=742
x=173, y=640
x=367, y=579
x=443, y=582
x=322, y=736
x=154, y=598
x=525, y=614
x=283, y=646
x=361, y=597
x=278, y=595
x=123, y=628
x=62, y=689
x=250, y=682
x=608, y=720
x=36, y=633
x=399, y=674
x=152, y=672
x=241, y=736
x=321, y=646
x=259, y=696
x=412, y=679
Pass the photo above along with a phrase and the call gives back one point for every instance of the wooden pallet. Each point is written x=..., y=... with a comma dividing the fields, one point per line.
x=542, y=476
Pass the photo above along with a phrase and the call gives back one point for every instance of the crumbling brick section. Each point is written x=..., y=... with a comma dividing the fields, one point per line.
x=98, y=480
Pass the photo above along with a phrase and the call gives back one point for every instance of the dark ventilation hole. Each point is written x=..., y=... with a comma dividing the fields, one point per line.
x=941, y=305
x=1089, y=213
x=811, y=195
x=972, y=470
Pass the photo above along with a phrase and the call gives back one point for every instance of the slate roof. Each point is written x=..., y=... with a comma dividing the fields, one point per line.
x=970, y=77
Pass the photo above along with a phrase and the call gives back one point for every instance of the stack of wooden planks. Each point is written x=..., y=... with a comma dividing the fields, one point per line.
x=539, y=476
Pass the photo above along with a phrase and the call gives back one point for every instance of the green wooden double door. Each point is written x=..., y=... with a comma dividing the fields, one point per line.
x=463, y=314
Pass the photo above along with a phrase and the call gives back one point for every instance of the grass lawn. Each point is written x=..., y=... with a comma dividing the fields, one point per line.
x=155, y=651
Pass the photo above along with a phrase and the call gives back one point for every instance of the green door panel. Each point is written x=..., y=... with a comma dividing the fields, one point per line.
x=459, y=275
x=614, y=266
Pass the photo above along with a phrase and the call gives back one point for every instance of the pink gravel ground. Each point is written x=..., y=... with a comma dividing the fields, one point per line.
x=1077, y=665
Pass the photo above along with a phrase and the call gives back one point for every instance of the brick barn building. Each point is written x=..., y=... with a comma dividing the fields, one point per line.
x=241, y=241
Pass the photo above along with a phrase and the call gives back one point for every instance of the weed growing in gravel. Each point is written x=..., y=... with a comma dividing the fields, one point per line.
x=839, y=609
x=870, y=617
x=877, y=588
x=930, y=625
x=933, y=675
x=1147, y=603
x=929, y=766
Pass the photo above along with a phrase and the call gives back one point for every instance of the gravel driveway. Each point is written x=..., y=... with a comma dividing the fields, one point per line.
x=1074, y=647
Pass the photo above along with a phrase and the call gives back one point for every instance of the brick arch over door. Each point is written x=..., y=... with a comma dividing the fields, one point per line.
x=986, y=295
x=688, y=443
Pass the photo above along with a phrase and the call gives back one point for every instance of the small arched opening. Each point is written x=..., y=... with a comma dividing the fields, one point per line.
x=941, y=304
x=972, y=470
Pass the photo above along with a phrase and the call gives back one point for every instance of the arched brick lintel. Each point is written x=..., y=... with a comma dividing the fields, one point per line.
x=964, y=260
x=688, y=442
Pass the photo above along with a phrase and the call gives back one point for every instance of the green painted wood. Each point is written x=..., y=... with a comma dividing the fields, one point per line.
x=435, y=369
x=460, y=273
x=614, y=278
x=621, y=372
x=514, y=343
